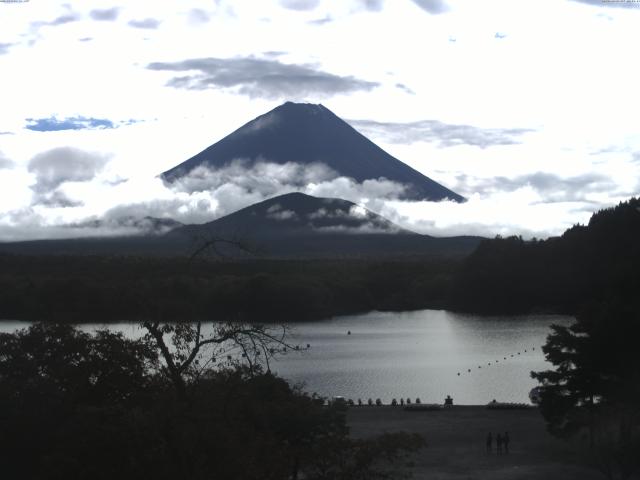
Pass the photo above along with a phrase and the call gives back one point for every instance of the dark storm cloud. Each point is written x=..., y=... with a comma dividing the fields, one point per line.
x=64, y=164
x=445, y=135
x=610, y=3
x=432, y=6
x=106, y=15
x=70, y=123
x=147, y=23
x=300, y=4
x=265, y=78
x=551, y=187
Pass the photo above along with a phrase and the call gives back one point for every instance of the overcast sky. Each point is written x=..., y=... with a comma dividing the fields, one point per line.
x=529, y=108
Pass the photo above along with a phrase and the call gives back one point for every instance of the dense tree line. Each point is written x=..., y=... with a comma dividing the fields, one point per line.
x=503, y=275
x=103, y=289
x=598, y=261
x=75, y=406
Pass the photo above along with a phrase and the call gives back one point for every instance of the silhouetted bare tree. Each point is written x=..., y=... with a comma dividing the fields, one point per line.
x=189, y=348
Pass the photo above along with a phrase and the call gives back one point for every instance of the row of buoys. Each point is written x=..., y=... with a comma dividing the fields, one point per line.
x=512, y=355
x=378, y=402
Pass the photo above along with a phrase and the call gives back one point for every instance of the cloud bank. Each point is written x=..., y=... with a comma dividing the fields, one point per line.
x=259, y=78
x=434, y=7
x=611, y=3
x=443, y=134
x=146, y=23
x=303, y=5
x=5, y=162
x=55, y=167
x=73, y=195
x=106, y=15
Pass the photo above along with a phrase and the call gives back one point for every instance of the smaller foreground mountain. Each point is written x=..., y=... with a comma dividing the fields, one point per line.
x=293, y=225
x=296, y=214
x=301, y=225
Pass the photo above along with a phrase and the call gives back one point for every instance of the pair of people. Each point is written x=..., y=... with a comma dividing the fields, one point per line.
x=502, y=443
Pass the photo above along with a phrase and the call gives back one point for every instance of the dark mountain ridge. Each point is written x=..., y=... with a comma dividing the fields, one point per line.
x=293, y=225
x=299, y=225
x=307, y=134
x=298, y=214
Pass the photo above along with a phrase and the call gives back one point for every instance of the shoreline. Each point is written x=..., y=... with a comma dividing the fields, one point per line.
x=456, y=447
x=455, y=437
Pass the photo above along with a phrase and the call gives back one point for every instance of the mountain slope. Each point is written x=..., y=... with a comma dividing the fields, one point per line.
x=298, y=214
x=306, y=134
x=290, y=225
x=296, y=224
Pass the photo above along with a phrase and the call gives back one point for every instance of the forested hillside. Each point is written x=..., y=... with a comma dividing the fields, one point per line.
x=586, y=264
x=106, y=289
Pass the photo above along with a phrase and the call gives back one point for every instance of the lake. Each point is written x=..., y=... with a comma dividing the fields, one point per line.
x=412, y=354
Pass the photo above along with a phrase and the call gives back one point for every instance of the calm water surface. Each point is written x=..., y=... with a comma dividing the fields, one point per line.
x=412, y=354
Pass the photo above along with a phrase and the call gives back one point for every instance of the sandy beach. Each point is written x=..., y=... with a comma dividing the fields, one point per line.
x=456, y=443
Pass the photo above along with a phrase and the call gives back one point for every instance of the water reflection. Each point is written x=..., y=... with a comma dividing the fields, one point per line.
x=411, y=354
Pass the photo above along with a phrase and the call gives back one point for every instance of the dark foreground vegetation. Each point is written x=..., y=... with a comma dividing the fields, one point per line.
x=103, y=289
x=593, y=391
x=80, y=406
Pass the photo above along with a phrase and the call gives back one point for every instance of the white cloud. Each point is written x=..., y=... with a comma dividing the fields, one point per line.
x=568, y=89
x=64, y=164
x=263, y=176
x=5, y=162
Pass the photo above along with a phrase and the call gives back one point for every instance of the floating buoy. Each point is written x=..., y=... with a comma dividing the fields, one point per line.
x=349, y=332
x=468, y=370
x=458, y=373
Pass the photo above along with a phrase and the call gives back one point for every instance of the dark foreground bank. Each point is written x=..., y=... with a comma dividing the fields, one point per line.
x=456, y=447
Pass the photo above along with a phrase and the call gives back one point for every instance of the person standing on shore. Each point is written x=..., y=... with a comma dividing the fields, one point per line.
x=499, y=444
x=489, y=442
x=505, y=441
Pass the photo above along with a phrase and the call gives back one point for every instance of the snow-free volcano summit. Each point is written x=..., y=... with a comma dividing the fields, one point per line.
x=312, y=135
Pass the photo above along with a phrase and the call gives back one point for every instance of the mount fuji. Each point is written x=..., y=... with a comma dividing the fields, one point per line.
x=310, y=134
